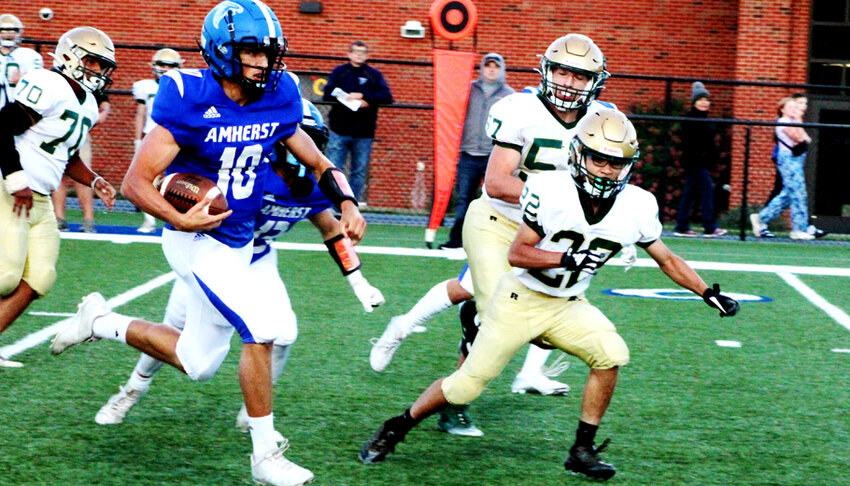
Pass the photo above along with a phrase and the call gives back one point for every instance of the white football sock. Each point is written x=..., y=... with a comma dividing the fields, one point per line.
x=149, y=220
x=432, y=303
x=262, y=435
x=534, y=361
x=143, y=373
x=112, y=326
x=279, y=357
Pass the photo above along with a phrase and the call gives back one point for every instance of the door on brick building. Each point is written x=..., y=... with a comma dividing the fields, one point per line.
x=829, y=199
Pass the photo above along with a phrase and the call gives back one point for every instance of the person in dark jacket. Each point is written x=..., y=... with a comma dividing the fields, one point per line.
x=699, y=155
x=359, y=90
x=475, y=144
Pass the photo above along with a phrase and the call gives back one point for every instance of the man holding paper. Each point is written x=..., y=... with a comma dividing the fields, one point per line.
x=359, y=89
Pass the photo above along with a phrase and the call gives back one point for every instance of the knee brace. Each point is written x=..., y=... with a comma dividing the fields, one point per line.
x=460, y=388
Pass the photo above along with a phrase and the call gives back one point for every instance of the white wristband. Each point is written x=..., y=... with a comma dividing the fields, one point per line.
x=94, y=181
x=17, y=181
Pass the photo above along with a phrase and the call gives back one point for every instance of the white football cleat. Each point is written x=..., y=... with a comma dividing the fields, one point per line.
x=538, y=383
x=8, y=363
x=385, y=347
x=242, y=424
x=80, y=328
x=147, y=227
x=117, y=406
x=277, y=470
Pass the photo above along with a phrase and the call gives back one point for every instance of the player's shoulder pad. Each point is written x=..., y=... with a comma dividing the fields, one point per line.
x=294, y=78
x=181, y=77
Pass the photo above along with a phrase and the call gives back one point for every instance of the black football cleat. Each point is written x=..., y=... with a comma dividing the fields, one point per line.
x=585, y=460
x=383, y=442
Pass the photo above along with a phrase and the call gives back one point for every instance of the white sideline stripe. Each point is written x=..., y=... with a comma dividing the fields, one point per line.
x=839, y=315
x=52, y=314
x=839, y=350
x=459, y=255
x=728, y=344
x=43, y=335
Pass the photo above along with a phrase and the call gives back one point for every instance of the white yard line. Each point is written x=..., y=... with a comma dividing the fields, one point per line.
x=834, y=312
x=786, y=272
x=43, y=335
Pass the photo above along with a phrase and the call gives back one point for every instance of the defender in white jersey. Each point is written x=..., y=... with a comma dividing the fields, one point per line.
x=573, y=222
x=15, y=61
x=144, y=92
x=40, y=134
x=531, y=133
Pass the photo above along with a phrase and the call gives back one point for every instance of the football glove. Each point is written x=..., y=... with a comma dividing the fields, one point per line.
x=628, y=255
x=727, y=305
x=583, y=260
x=369, y=296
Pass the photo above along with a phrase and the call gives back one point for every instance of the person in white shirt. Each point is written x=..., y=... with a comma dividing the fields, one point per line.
x=15, y=61
x=40, y=135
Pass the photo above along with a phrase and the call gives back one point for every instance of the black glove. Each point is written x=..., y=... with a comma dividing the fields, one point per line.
x=581, y=260
x=726, y=305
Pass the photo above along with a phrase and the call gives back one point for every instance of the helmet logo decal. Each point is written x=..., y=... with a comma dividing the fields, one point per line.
x=223, y=9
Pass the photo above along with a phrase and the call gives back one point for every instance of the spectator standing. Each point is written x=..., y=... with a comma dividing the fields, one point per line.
x=699, y=155
x=803, y=102
x=359, y=89
x=475, y=144
x=85, y=195
x=793, y=147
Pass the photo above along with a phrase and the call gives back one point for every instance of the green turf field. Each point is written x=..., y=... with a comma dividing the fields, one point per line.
x=686, y=411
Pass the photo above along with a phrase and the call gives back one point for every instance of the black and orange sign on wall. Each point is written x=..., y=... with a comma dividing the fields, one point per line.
x=453, y=19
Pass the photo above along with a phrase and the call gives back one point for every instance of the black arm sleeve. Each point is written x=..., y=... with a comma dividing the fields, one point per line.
x=15, y=119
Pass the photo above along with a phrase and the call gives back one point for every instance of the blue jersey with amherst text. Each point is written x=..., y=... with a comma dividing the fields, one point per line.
x=281, y=211
x=226, y=142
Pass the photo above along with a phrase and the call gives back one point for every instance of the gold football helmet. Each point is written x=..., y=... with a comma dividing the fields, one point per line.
x=603, y=137
x=164, y=60
x=11, y=30
x=82, y=42
x=576, y=53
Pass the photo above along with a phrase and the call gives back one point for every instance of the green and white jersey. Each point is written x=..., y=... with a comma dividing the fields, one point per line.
x=526, y=123
x=21, y=60
x=64, y=125
x=552, y=208
x=144, y=91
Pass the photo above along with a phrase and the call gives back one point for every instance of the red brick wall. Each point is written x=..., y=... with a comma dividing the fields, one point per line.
x=772, y=42
x=746, y=39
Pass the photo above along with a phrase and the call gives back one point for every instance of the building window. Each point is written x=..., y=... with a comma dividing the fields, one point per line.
x=829, y=52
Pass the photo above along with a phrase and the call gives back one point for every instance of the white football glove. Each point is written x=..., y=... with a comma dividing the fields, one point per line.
x=369, y=296
x=628, y=255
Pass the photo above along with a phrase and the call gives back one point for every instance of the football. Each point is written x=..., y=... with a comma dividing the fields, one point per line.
x=183, y=190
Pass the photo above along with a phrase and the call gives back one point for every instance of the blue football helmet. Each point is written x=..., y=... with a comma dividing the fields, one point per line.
x=243, y=24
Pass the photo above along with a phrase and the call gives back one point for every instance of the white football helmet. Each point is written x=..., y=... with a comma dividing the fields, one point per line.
x=576, y=53
x=11, y=30
x=603, y=137
x=82, y=42
x=165, y=59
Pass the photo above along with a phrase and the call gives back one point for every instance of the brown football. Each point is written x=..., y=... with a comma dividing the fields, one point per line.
x=183, y=190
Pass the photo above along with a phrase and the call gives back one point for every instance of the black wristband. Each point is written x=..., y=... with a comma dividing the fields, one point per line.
x=567, y=261
x=335, y=187
x=343, y=253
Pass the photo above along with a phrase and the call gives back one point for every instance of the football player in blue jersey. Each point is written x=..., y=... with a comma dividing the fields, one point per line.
x=222, y=123
x=284, y=204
